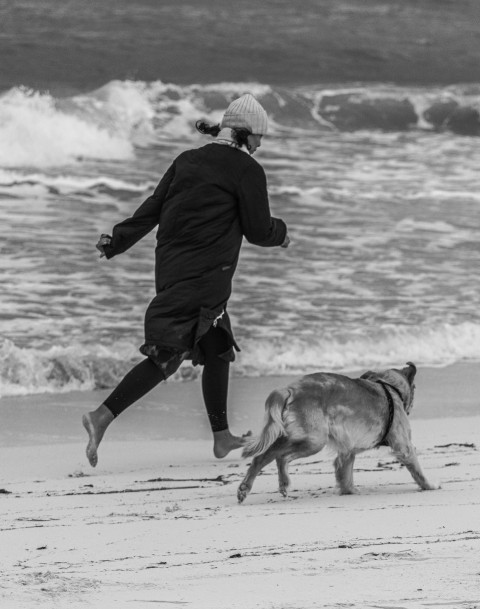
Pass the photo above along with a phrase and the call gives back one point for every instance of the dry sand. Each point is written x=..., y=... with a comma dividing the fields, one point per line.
x=157, y=523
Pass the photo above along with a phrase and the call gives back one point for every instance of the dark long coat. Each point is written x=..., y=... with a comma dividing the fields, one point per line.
x=207, y=201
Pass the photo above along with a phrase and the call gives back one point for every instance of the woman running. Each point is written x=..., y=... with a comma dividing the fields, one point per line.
x=207, y=201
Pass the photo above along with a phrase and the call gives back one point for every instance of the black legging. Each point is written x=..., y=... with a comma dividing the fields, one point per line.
x=146, y=375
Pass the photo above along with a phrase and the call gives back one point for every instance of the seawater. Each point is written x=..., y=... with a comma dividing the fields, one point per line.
x=383, y=213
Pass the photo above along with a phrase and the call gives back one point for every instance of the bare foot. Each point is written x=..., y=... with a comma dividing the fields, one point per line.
x=96, y=423
x=224, y=442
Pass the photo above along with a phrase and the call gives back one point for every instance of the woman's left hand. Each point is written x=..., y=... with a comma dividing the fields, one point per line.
x=286, y=241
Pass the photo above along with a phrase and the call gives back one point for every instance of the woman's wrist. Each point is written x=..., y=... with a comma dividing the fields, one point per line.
x=286, y=241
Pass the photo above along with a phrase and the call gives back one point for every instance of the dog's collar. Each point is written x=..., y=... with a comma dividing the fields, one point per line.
x=391, y=410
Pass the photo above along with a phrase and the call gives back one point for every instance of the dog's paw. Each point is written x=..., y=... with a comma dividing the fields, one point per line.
x=348, y=491
x=283, y=491
x=242, y=492
x=432, y=486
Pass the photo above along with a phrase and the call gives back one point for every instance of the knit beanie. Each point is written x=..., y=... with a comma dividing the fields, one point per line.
x=246, y=113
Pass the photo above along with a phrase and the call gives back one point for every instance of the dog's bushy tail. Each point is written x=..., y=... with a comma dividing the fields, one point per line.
x=273, y=426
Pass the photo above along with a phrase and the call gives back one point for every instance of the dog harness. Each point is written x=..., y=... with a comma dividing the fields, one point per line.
x=391, y=410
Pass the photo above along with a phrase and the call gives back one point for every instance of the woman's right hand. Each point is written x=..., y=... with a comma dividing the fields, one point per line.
x=104, y=240
x=286, y=241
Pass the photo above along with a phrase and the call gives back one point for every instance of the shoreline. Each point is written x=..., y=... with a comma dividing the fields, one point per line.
x=175, y=410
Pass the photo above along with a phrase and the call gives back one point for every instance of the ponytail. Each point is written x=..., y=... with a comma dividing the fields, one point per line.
x=239, y=135
x=207, y=129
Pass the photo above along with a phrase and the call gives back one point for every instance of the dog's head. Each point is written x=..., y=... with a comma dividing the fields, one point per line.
x=402, y=380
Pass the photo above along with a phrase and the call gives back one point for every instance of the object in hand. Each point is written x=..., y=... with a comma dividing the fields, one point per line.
x=104, y=240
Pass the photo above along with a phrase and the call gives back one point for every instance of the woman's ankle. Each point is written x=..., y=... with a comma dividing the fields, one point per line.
x=224, y=442
x=102, y=416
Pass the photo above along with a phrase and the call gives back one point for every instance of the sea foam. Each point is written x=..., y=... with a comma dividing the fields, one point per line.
x=37, y=130
x=68, y=183
x=85, y=367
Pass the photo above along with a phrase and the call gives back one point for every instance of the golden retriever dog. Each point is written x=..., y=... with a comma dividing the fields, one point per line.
x=349, y=415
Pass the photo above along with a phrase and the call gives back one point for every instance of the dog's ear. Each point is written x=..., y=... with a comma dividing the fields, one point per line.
x=409, y=372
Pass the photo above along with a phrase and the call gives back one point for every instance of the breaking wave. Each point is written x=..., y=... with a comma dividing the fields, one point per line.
x=38, y=130
x=77, y=368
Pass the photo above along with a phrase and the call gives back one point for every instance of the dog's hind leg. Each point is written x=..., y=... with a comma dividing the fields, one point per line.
x=344, y=472
x=283, y=477
x=295, y=451
x=258, y=463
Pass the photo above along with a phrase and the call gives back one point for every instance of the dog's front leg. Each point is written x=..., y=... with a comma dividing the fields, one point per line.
x=400, y=440
x=344, y=472
x=407, y=455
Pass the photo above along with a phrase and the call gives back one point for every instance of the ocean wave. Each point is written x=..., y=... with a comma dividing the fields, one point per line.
x=374, y=107
x=69, y=183
x=384, y=347
x=38, y=130
x=394, y=108
x=78, y=368
x=60, y=369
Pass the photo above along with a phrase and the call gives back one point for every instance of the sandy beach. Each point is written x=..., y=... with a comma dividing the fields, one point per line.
x=372, y=161
x=157, y=522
